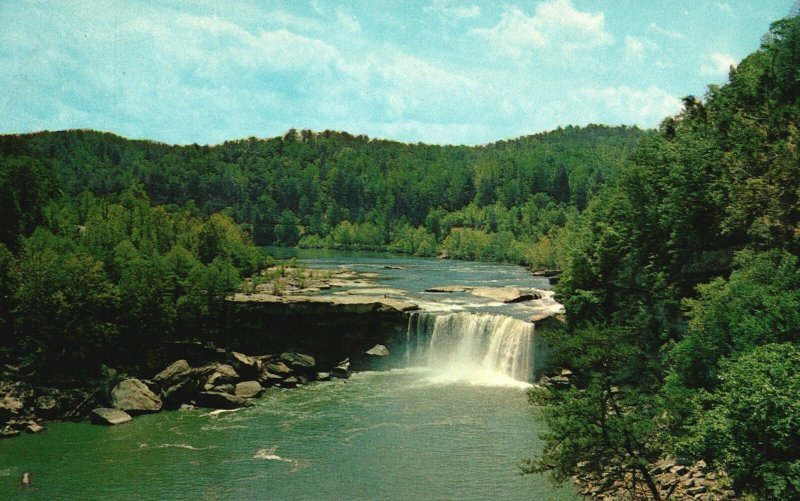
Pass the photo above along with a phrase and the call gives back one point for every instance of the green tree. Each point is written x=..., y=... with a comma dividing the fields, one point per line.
x=750, y=427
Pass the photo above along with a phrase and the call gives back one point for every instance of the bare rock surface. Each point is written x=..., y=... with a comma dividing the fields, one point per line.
x=503, y=294
x=248, y=389
x=104, y=415
x=132, y=395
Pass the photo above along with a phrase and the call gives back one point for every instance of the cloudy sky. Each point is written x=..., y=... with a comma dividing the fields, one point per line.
x=440, y=71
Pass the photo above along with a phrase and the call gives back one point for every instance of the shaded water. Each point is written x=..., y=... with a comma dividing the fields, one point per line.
x=454, y=426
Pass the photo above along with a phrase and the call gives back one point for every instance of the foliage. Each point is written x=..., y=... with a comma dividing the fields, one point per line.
x=750, y=423
x=335, y=190
x=689, y=258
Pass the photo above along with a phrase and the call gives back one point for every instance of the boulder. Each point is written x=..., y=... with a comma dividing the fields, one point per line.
x=34, y=428
x=219, y=400
x=323, y=376
x=299, y=362
x=224, y=388
x=104, y=415
x=342, y=369
x=46, y=406
x=246, y=367
x=378, y=350
x=289, y=382
x=10, y=406
x=9, y=432
x=222, y=374
x=176, y=371
x=248, y=389
x=134, y=396
x=181, y=392
x=278, y=368
x=269, y=379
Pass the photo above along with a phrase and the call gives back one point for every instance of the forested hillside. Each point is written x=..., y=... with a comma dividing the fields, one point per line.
x=335, y=190
x=109, y=247
x=682, y=295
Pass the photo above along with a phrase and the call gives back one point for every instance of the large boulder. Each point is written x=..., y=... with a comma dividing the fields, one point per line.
x=103, y=415
x=177, y=371
x=220, y=400
x=378, y=350
x=133, y=395
x=221, y=374
x=248, y=389
x=246, y=367
x=299, y=362
x=279, y=368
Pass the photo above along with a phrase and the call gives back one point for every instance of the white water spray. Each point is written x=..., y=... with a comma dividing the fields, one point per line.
x=480, y=348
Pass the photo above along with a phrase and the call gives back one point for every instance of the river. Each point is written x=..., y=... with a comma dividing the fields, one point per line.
x=432, y=430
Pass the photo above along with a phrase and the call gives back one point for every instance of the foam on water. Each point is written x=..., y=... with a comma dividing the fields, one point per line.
x=480, y=349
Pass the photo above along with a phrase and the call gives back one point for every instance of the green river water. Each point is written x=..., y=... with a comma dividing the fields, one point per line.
x=415, y=433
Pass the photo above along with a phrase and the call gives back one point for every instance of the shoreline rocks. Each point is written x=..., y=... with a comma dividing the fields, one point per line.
x=105, y=415
x=132, y=395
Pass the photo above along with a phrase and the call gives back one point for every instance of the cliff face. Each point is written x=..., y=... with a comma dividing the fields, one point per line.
x=330, y=328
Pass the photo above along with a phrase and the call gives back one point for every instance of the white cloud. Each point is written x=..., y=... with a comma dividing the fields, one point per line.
x=554, y=23
x=724, y=7
x=634, y=47
x=317, y=6
x=288, y=20
x=451, y=9
x=646, y=107
x=348, y=21
x=718, y=64
x=674, y=35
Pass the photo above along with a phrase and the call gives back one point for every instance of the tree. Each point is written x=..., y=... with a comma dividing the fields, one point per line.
x=286, y=230
x=750, y=427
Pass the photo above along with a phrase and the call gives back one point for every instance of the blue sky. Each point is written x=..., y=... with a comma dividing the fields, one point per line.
x=437, y=71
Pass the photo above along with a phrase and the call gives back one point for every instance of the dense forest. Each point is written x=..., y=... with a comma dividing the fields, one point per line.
x=504, y=201
x=679, y=249
x=682, y=298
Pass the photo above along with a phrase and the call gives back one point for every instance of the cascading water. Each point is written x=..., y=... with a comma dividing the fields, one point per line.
x=476, y=347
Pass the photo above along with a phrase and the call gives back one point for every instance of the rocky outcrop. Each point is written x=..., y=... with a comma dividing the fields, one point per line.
x=103, y=415
x=132, y=395
x=504, y=294
x=324, y=305
x=673, y=479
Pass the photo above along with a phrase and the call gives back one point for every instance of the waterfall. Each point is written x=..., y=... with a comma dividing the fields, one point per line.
x=470, y=345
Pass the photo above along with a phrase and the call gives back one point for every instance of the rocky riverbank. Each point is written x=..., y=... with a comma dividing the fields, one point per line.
x=222, y=380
